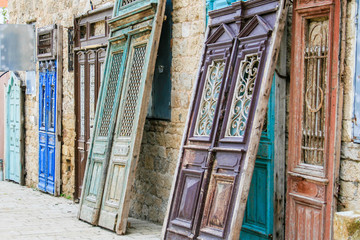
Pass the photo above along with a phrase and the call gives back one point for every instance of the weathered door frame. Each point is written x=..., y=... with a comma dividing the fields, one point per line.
x=11, y=83
x=55, y=53
x=312, y=186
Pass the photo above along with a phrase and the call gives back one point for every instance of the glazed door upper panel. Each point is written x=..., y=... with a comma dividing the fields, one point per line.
x=47, y=125
x=315, y=114
x=89, y=70
x=14, y=142
x=137, y=82
x=214, y=171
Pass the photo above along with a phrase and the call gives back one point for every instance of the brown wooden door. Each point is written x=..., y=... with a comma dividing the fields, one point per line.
x=315, y=114
x=219, y=149
x=88, y=73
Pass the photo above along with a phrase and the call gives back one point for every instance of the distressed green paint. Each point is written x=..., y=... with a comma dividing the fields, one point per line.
x=13, y=169
x=120, y=113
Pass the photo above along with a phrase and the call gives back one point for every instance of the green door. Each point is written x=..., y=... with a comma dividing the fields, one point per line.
x=14, y=163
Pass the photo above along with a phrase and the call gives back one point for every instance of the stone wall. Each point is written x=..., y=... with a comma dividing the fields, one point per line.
x=162, y=139
x=349, y=198
x=43, y=13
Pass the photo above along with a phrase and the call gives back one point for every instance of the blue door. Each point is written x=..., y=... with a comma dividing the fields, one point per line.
x=13, y=161
x=47, y=126
x=258, y=223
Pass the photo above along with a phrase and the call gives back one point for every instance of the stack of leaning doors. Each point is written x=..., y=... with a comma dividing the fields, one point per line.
x=120, y=114
x=225, y=121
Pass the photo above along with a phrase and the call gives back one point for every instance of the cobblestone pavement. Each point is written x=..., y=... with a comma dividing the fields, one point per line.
x=28, y=214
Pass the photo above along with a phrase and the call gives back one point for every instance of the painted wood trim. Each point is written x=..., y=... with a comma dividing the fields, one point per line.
x=259, y=116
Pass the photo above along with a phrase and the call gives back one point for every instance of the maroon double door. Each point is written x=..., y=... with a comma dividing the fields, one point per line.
x=216, y=145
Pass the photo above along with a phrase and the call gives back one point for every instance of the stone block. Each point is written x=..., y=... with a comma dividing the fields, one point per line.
x=347, y=225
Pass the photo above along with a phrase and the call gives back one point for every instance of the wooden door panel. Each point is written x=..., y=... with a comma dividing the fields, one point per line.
x=224, y=117
x=315, y=112
x=14, y=131
x=143, y=37
x=101, y=142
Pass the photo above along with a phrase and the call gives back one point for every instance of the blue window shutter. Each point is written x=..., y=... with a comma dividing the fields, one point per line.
x=159, y=105
x=357, y=83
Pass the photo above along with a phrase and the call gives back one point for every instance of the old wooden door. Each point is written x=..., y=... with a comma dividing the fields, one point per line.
x=89, y=71
x=49, y=51
x=47, y=126
x=229, y=106
x=14, y=131
x=90, y=31
x=315, y=120
x=135, y=30
x=260, y=219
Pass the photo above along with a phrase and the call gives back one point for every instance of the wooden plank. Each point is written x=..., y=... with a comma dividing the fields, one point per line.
x=279, y=141
x=58, y=133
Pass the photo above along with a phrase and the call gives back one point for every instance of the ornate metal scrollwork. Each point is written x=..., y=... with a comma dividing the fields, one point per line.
x=209, y=98
x=242, y=97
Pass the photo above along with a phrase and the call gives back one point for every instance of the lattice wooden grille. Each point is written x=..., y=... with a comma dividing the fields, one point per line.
x=110, y=94
x=132, y=91
x=209, y=98
x=314, y=92
x=242, y=97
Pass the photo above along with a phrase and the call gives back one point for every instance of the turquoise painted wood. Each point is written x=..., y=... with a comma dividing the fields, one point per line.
x=259, y=213
x=121, y=111
x=13, y=170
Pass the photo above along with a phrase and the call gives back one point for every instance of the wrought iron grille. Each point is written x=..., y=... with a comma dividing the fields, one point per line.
x=242, y=97
x=110, y=94
x=132, y=91
x=209, y=98
x=314, y=91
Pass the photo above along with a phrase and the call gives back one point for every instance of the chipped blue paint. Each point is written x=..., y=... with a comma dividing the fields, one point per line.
x=47, y=126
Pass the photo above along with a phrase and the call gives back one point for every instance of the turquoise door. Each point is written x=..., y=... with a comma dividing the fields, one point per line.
x=13, y=159
x=259, y=216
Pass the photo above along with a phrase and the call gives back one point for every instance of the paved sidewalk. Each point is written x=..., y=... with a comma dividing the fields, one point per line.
x=28, y=214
